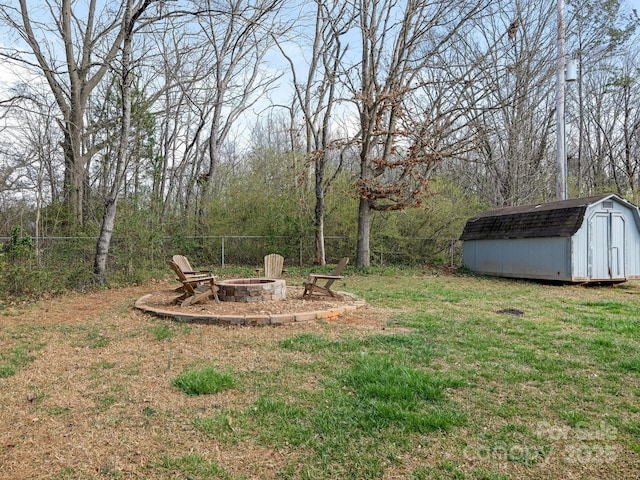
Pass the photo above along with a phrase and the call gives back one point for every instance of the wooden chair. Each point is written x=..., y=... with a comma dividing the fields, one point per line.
x=196, y=287
x=311, y=286
x=273, y=266
x=185, y=266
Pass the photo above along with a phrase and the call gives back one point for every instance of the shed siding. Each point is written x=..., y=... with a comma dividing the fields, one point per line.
x=545, y=258
x=580, y=255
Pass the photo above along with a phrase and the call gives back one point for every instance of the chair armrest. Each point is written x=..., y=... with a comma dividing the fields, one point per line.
x=325, y=277
x=198, y=279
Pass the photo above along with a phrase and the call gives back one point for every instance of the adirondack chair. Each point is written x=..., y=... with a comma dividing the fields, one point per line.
x=196, y=287
x=185, y=266
x=311, y=286
x=273, y=266
x=188, y=270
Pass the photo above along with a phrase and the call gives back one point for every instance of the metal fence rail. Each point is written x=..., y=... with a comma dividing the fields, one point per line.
x=32, y=265
x=219, y=251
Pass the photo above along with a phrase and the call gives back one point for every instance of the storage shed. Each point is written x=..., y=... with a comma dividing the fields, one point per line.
x=594, y=239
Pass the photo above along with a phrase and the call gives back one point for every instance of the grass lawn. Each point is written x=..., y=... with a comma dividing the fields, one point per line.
x=439, y=377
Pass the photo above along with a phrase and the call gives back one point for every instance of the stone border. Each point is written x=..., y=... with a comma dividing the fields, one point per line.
x=252, y=320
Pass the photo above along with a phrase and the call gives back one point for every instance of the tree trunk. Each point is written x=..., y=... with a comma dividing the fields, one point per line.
x=104, y=241
x=111, y=202
x=363, y=252
x=74, y=168
x=320, y=256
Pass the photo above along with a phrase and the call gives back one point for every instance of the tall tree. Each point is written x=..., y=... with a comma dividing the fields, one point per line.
x=316, y=96
x=512, y=164
x=611, y=129
x=398, y=150
x=237, y=37
x=130, y=16
x=88, y=41
x=598, y=30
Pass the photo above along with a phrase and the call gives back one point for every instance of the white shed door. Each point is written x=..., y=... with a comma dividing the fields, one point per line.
x=606, y=246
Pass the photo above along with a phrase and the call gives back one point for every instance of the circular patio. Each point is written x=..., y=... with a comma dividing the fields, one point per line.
x=270, y=312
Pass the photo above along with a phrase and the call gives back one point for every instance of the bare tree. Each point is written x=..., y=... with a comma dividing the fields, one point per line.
x=598, y=29
x=397, y=149
x=29, y=157
x=182, y=112
x=611, y=130
x=316, y=98
x=130, y=16
x=237, y=34
x=516, y=134
x=87, y=40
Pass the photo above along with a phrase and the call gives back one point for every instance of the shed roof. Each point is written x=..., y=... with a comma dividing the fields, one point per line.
x=555, y=219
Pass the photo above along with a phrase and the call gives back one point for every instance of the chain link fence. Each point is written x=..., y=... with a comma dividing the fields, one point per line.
x=67, y=262
x=245, y=250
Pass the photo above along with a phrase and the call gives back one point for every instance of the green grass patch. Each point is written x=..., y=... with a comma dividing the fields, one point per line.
x=449, y=470
x=411, y=347
x=166, y=330
x=631, y=365
x=191, y=466
x=379, y=379
x=96, y=339
x=103, y=365
x=360, y=416
x=203, y=381
x=104, y=402
x=17, y=357
x=162, y=332
x=306, y=342
x=57, y=410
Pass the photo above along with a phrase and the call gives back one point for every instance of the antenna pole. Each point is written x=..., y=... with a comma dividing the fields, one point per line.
x=561, y=155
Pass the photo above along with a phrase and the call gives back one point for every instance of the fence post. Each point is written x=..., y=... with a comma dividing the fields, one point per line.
x=453, y=242
x=301, y=245
x=222, y=254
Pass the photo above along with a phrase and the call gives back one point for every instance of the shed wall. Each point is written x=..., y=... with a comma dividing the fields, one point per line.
x=546, y=258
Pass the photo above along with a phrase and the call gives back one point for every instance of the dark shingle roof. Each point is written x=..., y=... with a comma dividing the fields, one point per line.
x=556, y=219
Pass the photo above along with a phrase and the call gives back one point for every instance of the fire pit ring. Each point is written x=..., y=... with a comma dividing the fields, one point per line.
x=252, y=290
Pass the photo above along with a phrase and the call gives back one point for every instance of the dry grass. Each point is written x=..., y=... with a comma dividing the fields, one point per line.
x=96, y=400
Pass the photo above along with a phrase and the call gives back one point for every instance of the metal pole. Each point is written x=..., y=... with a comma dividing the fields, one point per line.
x=222, y=256
x=561, y=156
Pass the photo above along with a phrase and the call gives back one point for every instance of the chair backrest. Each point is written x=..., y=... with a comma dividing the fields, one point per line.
x=183, y=263
x=337, y=272
x=341, y=264
x=273, y=265
x=177, y=270
x=181, y=276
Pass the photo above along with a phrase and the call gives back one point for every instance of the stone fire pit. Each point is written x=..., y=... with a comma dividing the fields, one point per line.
x=252, y=290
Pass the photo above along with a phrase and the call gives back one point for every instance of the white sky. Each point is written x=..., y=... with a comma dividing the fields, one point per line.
x=8, y=78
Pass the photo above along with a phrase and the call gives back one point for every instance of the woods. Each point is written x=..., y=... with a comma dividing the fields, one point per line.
x=368, y=119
